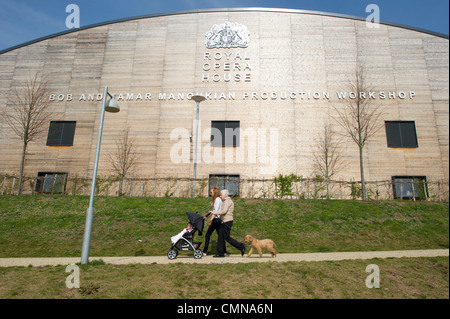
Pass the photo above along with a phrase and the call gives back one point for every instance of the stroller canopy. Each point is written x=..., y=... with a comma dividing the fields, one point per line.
x=196, y=220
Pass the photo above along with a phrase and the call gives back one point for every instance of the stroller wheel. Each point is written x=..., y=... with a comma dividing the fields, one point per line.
x=198, y=254
x=172, y=254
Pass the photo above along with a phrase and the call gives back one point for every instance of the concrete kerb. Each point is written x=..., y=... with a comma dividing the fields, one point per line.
x=186, y=258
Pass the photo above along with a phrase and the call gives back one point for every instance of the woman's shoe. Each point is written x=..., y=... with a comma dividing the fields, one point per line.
x=218, y=256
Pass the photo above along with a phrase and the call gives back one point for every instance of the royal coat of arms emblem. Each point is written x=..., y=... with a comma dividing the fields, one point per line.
x=227, y=35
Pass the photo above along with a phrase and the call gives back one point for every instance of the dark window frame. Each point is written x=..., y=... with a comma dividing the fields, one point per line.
x=231, y=182
x=61, y=133
x=401, y=134
x=410, y=187
x=51, y=183
x=225, y=128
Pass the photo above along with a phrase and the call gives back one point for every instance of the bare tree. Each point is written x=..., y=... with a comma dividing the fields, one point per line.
x=328, y=156
x=29, y=114
x=124, y=158
x=359, y=116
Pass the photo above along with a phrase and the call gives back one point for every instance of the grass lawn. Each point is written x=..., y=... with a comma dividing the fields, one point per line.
x=404, y=278
x=53, y=226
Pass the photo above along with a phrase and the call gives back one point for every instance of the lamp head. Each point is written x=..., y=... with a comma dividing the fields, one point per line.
x=112, y=106
x=198, y=98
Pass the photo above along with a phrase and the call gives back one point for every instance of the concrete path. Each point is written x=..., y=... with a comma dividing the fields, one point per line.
x=187, y=257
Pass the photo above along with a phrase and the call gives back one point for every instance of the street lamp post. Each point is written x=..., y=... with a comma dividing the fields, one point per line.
x=113, y=107
x=197, y=99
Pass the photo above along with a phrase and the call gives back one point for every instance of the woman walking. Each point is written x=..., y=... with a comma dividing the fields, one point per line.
x=215, y=221
x=226, y=216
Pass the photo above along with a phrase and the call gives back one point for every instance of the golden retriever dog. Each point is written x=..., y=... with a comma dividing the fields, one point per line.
x=261, y=244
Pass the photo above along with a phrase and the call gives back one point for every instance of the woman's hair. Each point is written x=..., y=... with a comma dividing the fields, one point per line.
x=215, y=194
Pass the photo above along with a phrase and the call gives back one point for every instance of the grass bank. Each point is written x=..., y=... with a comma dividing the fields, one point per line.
x=53, y=226
x=412, y=278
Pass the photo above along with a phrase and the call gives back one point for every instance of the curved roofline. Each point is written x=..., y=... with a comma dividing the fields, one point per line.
x=249, y=9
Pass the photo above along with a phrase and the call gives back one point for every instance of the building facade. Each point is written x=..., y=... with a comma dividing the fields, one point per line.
x=272, y=80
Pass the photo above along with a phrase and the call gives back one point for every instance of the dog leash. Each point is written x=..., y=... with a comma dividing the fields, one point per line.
x=207, y=215
x=232, y=229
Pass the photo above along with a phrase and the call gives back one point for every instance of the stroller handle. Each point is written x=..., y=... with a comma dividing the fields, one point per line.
x=207, y=215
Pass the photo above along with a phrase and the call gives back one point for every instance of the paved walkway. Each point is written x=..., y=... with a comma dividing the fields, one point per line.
x=187, y=257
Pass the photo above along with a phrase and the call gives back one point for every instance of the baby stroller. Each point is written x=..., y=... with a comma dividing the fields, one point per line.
x=185, y=239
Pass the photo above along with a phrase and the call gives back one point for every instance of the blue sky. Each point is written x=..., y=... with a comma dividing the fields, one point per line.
x=25, y=20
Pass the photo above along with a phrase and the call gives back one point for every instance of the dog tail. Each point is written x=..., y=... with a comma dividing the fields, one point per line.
x=274, y=243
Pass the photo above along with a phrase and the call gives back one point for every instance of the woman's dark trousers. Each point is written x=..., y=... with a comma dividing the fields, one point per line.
x=215, y=225
x=224, y=235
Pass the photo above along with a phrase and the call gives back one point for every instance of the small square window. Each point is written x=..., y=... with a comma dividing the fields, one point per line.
x=409, y=187
x=229, y=182
x=61, y=133
x=401, y=134
x=51, y=183
x=225, y=133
